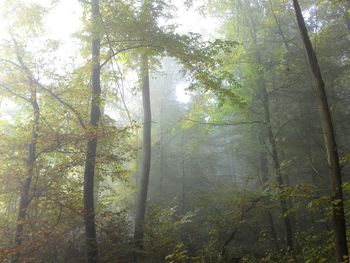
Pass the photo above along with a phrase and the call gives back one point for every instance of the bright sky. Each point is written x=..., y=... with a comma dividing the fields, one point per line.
x=64, y=20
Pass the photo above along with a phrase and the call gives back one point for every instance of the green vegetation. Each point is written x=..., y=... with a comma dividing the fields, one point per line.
x=141, y=138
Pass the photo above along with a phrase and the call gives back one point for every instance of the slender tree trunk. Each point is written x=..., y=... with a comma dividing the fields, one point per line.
x=183, y=185
x=161, y=150
x=90, y=161
x=146, y=162
x=330, y=143
x=25, y=199
x=274, y=152
x=277, y=166
x=264, y=171
x=271, y=138
x=264, y=177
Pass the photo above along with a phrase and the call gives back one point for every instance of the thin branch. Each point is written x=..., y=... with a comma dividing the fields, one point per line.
x=278, y=25
x=281, y=128
x=313, y=167
x=114, y=71
x=224, y=124
x=11, y=62
x=51, y=148
x=30, y=76
x=233, y=233
x=8, y=89
x=55, y=96
x=126, y=49
x=127, y=40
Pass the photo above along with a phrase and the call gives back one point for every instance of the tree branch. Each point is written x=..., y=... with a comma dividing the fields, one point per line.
x=114, y=71
x=125, y=49
x=8, y=89
x=233, y=233
x=55, y=96
x=30, y=76
x=223, y=124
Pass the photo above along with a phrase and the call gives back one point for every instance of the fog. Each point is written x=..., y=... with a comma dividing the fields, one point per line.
x=151, y=131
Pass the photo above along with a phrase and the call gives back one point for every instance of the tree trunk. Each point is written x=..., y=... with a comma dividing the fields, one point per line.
x=264, y=177
x=146, y=162
x=25, y=199
x=90, y=161
x=330, y=143
x=161, y=149
x=271, y=138
x=183, y=185
x=277, y=166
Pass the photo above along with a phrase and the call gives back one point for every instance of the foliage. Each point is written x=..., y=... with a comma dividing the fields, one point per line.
x=214, y=192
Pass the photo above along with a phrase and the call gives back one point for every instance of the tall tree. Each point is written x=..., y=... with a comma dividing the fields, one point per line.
x=276, y=165
x=146, y=158
x=270, y=134
x=330, y=142
x=146, y=141
x=30, y=163
x=90, y=161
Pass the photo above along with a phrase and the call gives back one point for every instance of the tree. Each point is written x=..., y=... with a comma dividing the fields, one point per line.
x=146, y=158
x=330, y=142
x=25, y=197
x=238, y=165
x=90, y=160
x=146, y=138
x=274, y=152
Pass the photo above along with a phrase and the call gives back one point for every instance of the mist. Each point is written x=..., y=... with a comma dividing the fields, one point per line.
x=146, y=131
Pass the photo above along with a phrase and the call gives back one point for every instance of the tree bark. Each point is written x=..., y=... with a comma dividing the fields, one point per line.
x=330, y=143
x=90, y=161
x=25, y=199
x=146, y=162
